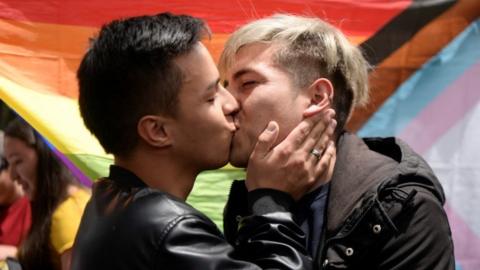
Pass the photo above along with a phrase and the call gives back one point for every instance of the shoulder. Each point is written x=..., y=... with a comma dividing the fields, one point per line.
x=424, y=239
x=162, y=212
x=72, y=206
x=160, y=203
x=173, y=222
x=66, y=220
x=427, y=212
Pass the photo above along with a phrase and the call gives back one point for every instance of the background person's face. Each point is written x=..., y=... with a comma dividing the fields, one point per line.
x=23, y=162
x=265, y=92
x=203, y=126
x=8, y=188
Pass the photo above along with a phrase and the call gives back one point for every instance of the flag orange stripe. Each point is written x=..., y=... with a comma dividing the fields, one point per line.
x=45, y=57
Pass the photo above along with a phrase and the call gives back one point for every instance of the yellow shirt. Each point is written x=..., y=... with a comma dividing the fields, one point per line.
x=66, y=220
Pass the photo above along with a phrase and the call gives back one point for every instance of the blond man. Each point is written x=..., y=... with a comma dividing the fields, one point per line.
x=382, y=205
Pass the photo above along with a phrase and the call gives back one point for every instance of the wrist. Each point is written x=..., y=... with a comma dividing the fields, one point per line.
x=264, y=200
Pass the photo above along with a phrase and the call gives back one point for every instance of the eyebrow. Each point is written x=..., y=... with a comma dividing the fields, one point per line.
x=212, y=85
x=241, y=72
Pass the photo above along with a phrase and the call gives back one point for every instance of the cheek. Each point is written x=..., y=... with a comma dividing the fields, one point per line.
x=286, y=112
x=23, y=171
x=259, y=109
x=3, y=181
x=28, y=170
x=262, y=110
x=205, y=128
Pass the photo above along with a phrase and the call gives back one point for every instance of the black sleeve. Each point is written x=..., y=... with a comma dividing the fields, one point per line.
x=194, y=243
x=267, y=239
x=425, y=242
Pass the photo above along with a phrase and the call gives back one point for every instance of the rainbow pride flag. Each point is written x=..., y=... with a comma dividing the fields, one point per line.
x=425, y=90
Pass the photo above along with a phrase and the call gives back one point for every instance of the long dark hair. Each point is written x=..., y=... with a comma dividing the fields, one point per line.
x=53, y=179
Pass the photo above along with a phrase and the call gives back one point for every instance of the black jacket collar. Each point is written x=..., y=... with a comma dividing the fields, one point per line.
x=124, y=177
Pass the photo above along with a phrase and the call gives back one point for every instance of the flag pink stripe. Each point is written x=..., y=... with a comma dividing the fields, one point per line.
x=467, y=243
x=443, y=112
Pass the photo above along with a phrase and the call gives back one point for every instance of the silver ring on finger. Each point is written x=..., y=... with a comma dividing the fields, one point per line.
x=315, y=152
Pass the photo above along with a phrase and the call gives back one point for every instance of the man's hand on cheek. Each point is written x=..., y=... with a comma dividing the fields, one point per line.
x=298, y=162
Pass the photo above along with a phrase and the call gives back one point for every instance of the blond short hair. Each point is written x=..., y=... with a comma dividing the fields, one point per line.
x=309, y=48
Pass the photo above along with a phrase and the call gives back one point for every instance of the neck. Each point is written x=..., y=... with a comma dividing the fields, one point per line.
x=160, y=171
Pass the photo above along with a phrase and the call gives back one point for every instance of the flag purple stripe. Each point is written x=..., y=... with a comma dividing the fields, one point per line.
x=82, y=178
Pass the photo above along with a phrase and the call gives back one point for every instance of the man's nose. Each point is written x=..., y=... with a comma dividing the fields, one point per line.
x=230, y=105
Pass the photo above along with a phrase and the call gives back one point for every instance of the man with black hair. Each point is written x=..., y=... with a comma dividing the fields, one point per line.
x=150, y=92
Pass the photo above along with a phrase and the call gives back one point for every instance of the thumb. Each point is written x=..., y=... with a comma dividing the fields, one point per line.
x=266, y=140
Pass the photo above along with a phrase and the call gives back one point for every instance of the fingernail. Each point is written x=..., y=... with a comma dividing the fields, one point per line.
x=333, y=123
x=332, y=113
x=271, y=127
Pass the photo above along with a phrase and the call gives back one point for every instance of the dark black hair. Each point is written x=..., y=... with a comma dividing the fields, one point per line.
x=128, y=72
x=53, y=179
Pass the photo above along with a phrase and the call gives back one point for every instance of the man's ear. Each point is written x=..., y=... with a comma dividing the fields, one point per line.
x=152, y=129
x=321, y=93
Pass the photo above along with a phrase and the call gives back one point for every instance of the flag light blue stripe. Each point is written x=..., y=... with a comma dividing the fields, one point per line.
x=426, y=84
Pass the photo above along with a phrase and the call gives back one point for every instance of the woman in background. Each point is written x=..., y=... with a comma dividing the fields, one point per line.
x=57, y=200
x=14, y=212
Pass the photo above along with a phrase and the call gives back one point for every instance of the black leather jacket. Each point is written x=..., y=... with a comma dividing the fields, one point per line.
x=384, y=210
x=127, y=225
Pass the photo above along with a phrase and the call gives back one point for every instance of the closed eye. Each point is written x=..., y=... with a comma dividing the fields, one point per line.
x=249, y=84
x=212, y=99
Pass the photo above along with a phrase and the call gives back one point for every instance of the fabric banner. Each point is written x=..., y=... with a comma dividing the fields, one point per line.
x=424, y=85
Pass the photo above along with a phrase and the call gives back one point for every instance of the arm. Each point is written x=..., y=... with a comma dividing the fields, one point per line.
x=267, y=239
x=288, y=167
x=66, y=258
x=7, y=251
